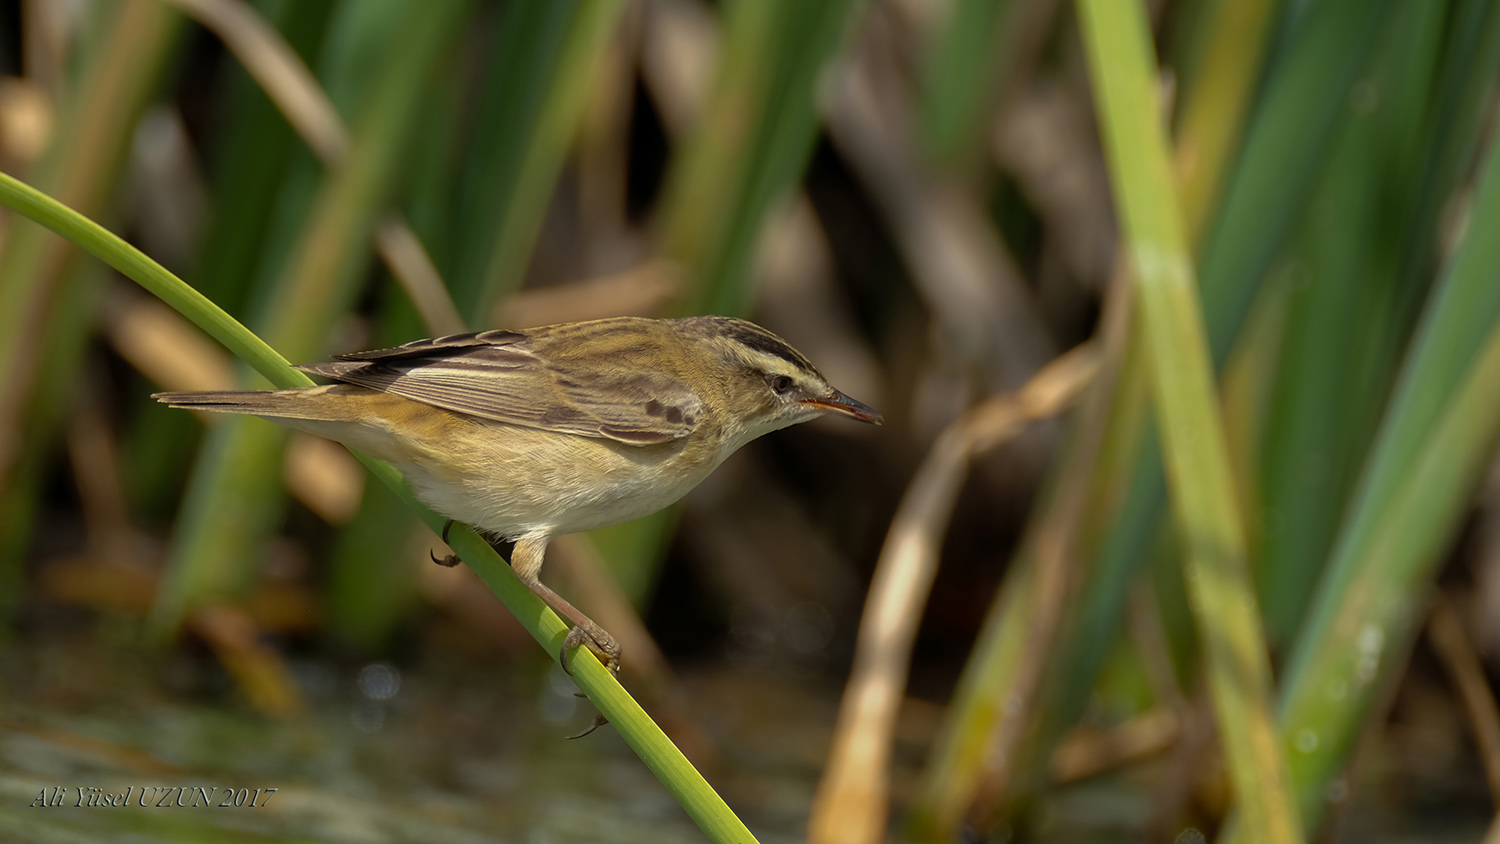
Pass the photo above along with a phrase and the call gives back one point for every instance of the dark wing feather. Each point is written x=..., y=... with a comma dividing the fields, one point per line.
x=438, y=346
x=497, y=375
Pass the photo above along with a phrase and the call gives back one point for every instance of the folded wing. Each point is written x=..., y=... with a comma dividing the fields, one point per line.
x=497, y=375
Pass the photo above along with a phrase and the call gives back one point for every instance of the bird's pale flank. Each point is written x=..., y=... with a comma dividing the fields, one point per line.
x=529, y=434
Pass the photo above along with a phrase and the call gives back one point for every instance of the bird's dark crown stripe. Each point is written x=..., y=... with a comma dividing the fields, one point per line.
x=768, y=343
x=755, y=338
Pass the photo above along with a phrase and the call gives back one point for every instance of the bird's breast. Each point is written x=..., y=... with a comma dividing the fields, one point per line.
x=515, y=481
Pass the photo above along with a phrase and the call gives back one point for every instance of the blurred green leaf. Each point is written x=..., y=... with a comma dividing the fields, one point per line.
x=46, y=308
x=1211, y=527
x=748, y=145
x=1332, y=377
x=543, y=67
x=1437, y=436
x=962, y=77
x=233, y=497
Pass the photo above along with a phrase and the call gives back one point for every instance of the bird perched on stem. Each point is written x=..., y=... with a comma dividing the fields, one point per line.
x=525, y=435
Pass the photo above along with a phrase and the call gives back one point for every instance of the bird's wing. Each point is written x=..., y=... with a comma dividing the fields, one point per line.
x=498, y=375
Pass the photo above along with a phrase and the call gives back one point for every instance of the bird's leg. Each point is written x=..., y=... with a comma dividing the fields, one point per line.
x=525, y=558
x=527, y=562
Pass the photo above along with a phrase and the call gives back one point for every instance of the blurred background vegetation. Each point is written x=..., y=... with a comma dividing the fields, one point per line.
x=914, y=193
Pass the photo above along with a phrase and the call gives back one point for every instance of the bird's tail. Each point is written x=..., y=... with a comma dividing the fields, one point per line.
x=387, y=426
x=330, y=403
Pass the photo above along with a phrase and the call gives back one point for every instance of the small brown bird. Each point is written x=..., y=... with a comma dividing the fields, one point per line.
x=525, y=435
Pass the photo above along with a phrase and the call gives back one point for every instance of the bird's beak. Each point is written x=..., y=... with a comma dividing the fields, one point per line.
x=840, y=403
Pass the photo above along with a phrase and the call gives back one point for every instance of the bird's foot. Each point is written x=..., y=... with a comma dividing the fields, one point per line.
x=593, y=637
x=604, y=646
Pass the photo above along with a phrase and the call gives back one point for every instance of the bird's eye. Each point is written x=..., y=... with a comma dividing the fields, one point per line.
x=780, y=384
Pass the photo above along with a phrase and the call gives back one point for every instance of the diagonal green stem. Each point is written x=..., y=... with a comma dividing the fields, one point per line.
x=108, y=247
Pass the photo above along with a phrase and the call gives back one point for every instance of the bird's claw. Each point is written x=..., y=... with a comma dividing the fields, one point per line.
x=602, y=644
x=605, y=647
x=599, y=721
x=450, y=560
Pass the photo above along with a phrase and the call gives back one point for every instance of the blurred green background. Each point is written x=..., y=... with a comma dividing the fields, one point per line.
x=916, y=194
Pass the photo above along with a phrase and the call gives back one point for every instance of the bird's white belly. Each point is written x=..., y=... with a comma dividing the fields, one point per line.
x=527, y=483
